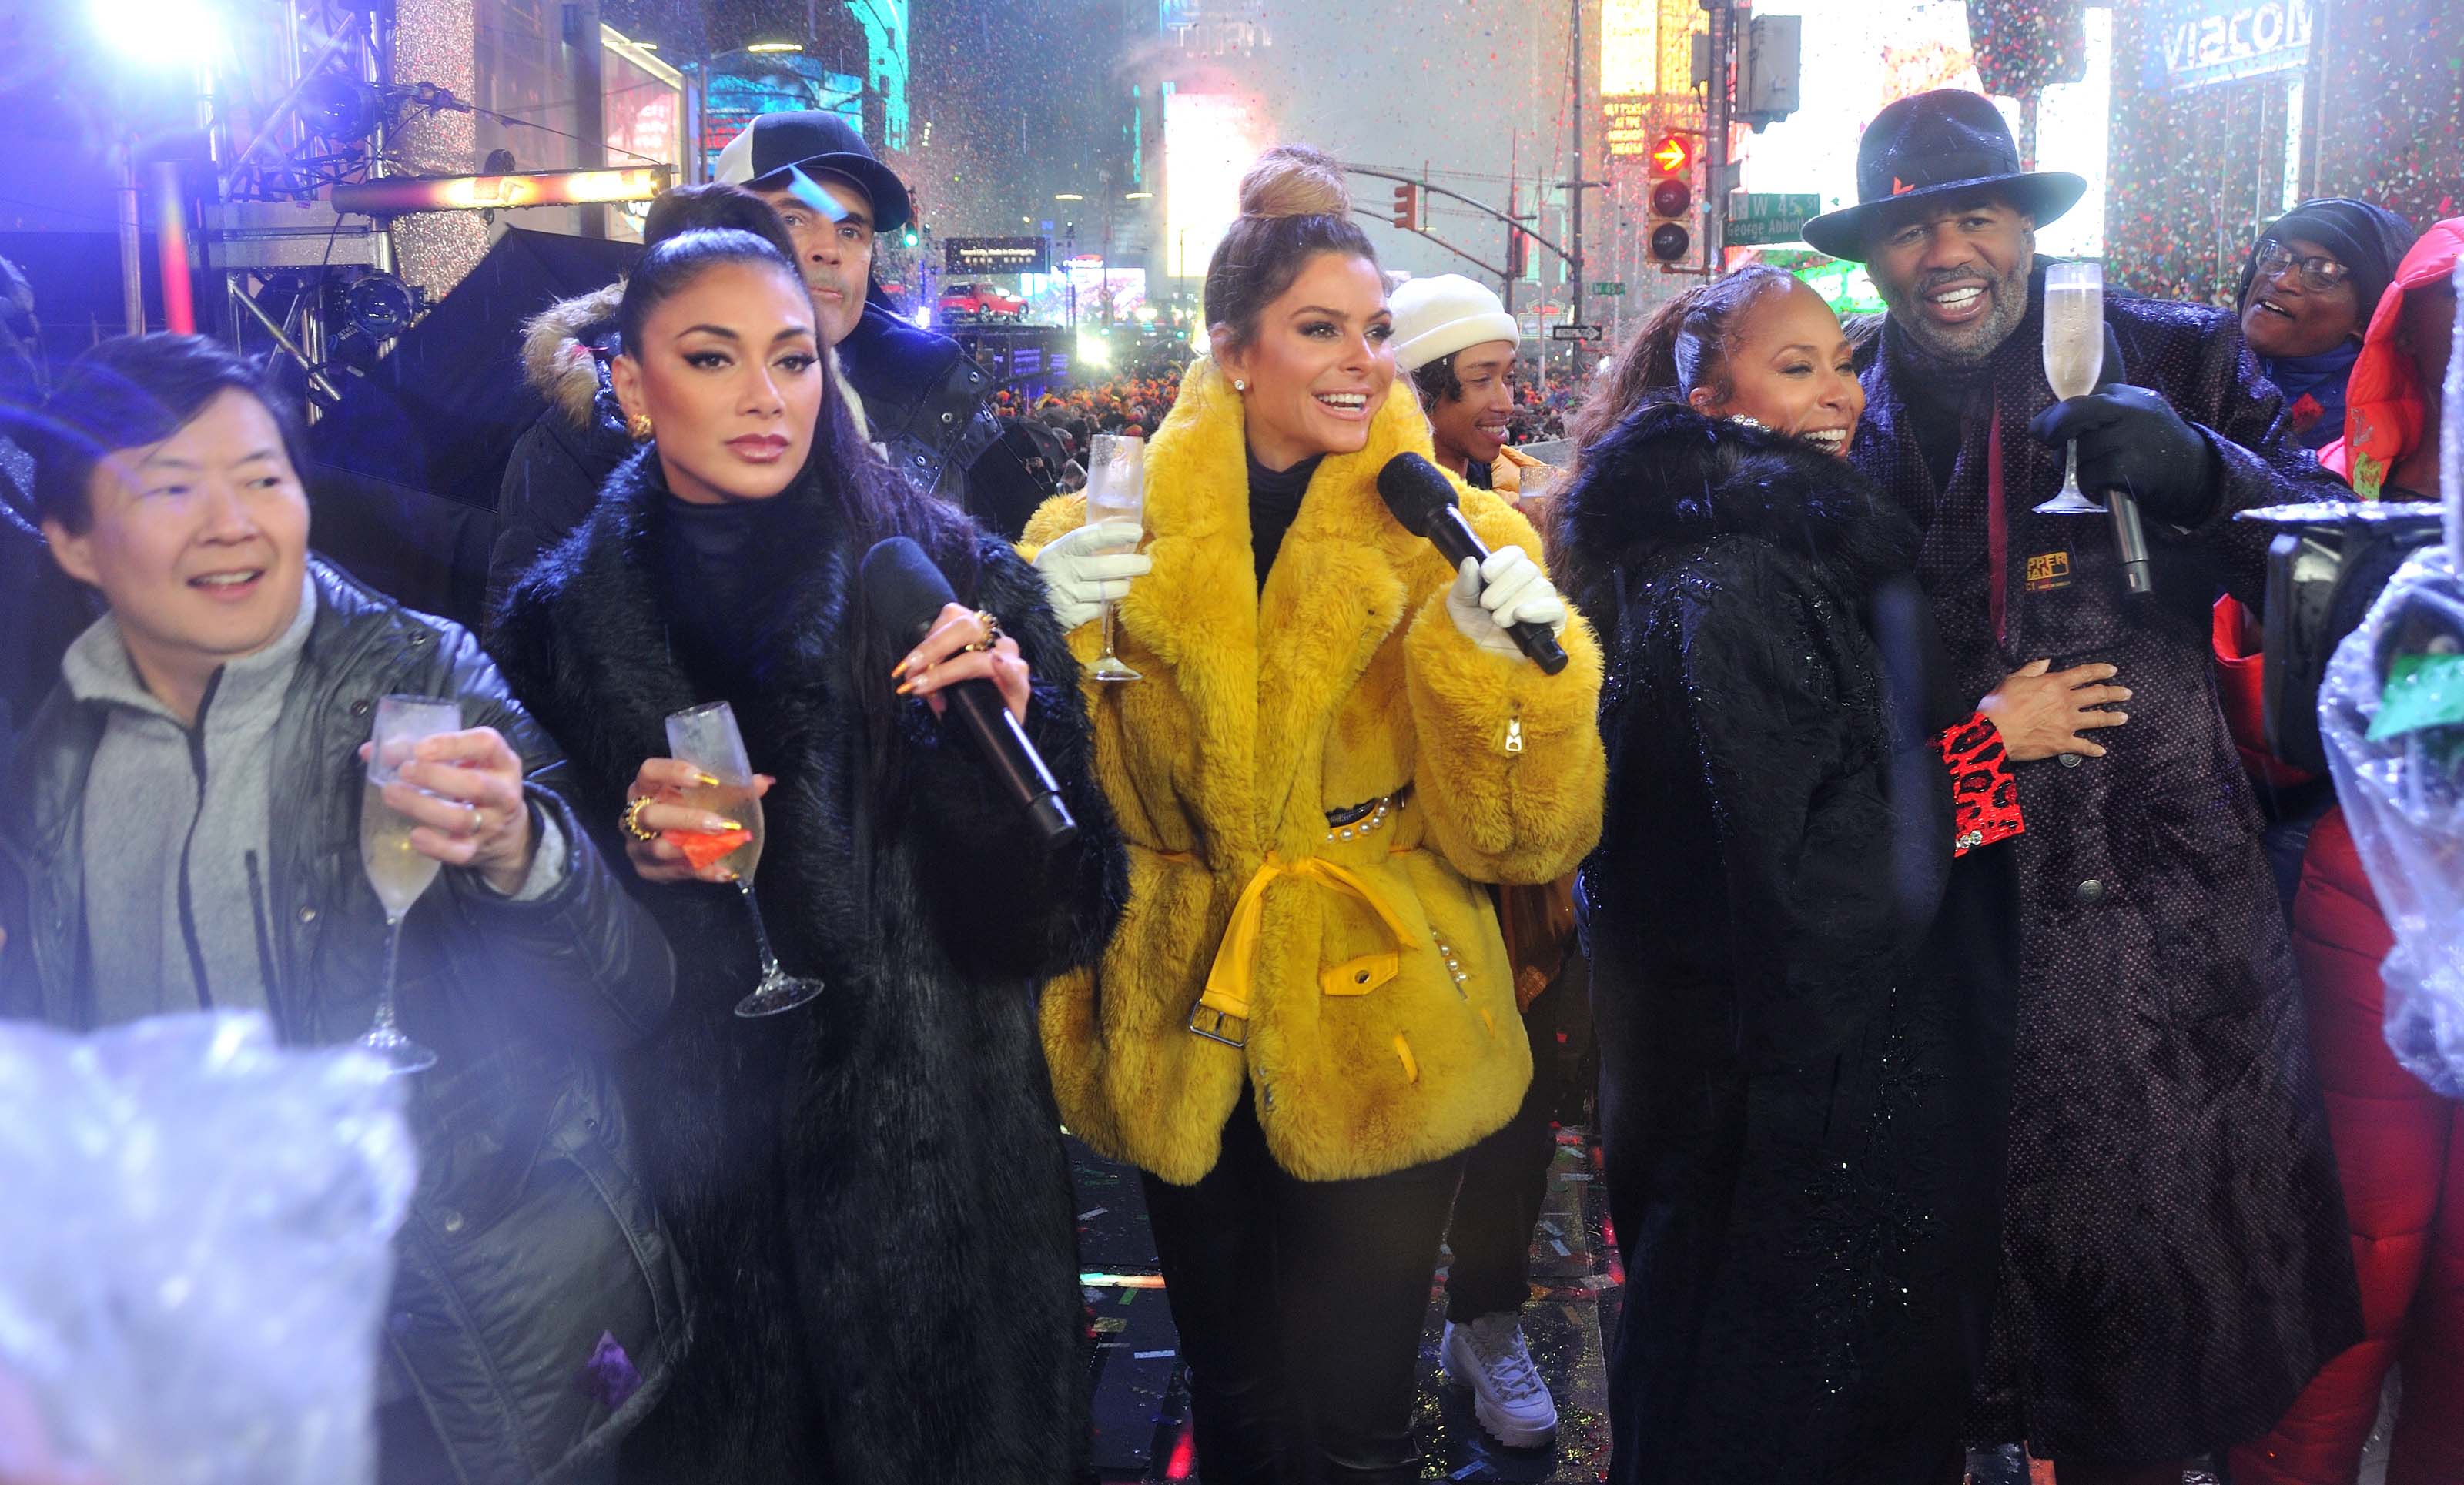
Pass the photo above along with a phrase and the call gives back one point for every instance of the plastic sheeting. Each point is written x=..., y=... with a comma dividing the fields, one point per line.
x=2392, y=715
x=195, y=1247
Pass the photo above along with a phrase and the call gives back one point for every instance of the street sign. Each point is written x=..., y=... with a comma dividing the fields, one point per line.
x=1587, y=333
x=1765, y=216
x=1607, y=290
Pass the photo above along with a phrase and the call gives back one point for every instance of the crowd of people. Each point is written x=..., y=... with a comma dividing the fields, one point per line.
x=1961, y=1056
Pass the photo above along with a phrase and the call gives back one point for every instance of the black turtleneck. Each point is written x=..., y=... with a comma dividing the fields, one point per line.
x=1275, y=500
x=1936, y=399
x=727, y=570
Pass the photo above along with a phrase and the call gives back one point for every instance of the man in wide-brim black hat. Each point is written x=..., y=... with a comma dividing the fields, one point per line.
x=2174, y=1258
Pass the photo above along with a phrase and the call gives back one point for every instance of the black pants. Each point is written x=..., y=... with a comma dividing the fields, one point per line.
x=1504, y=1179
x=1300, y=1305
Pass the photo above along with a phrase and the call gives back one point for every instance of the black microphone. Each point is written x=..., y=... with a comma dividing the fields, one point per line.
x=2129, y=538
x=906, y=594
x=1416, y=491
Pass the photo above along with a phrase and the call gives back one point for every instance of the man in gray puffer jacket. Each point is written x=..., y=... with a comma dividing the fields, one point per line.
x=184, y=814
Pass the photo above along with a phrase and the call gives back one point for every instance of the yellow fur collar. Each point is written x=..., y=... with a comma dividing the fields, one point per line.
x=1259, y=690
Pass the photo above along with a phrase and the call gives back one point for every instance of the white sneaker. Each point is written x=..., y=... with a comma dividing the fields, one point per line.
x=1511, y=1401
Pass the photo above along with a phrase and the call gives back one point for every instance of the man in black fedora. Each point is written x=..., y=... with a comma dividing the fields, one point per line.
x=2175, y=1264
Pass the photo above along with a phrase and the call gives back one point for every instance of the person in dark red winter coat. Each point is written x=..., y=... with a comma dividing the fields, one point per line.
x=2399, y=1146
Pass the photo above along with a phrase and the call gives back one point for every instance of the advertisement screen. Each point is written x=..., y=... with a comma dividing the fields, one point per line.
x=1048, y=295
x=1209, y=139
x=643, y=100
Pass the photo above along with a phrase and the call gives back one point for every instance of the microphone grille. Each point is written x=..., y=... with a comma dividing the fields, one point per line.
x=902, y=588
x=1414, y=490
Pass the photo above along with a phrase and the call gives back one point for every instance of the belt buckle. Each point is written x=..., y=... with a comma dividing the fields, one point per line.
x=1239, y=1038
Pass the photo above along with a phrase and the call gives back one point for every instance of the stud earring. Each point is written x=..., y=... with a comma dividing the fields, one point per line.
x=1239, y=385
x=638, y=428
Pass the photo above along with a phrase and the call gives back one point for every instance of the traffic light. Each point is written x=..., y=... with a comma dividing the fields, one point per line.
x=1672, y=199
x=909, y=240
x=1518, y=252
x=1407, y=207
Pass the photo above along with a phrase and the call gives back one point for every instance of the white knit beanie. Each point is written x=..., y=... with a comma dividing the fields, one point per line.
x=1434, y=318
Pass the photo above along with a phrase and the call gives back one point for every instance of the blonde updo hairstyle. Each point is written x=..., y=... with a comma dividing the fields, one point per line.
x=1294, y=207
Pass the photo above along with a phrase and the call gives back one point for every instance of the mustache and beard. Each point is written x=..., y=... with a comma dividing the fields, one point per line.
x=1968, y=344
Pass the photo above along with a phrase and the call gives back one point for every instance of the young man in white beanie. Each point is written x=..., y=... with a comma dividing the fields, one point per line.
x=1457, y=342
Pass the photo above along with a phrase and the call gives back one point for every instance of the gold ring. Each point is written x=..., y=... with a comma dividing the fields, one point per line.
x=633, y=819
x=992, y=632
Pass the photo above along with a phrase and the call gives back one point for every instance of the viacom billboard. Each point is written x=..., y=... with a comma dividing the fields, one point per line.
x=2192, y=43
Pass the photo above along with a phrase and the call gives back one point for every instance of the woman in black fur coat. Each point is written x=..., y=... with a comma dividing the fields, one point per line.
x=1797, y=1091
x=870, y=1196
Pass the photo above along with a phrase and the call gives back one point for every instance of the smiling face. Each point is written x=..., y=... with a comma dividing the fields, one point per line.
x=1790, y=368
x=198, y=542
x=1956, y=277
x=1473, y=425
x=834, y=256
x=730, y=376
x=1320, y=365
x=2283, y=315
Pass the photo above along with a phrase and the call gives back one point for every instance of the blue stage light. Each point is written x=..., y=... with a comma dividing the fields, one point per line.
x=160, y=34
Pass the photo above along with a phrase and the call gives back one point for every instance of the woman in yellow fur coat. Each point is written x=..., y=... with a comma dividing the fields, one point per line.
x=1306, y=1015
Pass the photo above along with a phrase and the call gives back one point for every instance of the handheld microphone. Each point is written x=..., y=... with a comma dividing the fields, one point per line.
x=1422, y=501
x=2129, y=538
x=906, y=594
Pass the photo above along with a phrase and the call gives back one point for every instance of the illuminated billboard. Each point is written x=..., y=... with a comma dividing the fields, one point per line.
x=1049, y=296
x=1629, y=48
x=1209, y=140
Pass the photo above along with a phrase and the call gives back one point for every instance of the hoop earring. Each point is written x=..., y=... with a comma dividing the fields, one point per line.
x=638, y=428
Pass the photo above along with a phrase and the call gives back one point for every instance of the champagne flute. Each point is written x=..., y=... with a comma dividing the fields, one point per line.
x=706, y=737
x=2074, y=359
x=397, y=871
x=1116, y=490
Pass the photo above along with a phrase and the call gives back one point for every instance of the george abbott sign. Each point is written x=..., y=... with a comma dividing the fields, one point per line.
x=2192, y=43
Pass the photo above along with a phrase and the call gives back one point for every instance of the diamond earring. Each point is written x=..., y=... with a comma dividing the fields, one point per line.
x=1239, y=385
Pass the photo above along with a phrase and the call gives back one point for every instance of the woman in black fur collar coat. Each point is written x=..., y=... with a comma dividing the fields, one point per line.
x=870, y=1196
x=1795, y=1107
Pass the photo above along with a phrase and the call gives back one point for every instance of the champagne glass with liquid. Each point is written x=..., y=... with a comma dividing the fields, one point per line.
x=707, y=738
x=1116, y=490
x=397, y=871
x=2073, y=360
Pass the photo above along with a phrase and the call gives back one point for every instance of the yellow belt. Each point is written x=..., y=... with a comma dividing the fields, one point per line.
x=1229, y=980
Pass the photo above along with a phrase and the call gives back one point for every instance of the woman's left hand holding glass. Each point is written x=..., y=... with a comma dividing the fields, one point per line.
x=965, y=645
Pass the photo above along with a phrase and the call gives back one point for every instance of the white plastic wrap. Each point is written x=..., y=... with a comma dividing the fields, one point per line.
x=195, y=1248
x=2404, y=798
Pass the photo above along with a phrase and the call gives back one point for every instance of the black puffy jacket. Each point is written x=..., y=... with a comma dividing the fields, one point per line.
x=529, y=1237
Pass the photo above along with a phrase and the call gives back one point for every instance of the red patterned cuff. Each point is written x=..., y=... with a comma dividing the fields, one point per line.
x=1984, y=797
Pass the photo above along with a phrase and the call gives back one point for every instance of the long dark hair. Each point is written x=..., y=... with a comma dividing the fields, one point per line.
x=844, y=483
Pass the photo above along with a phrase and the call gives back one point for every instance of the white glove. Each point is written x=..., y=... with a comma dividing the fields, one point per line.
x=1079, y=575
x=1507, y=589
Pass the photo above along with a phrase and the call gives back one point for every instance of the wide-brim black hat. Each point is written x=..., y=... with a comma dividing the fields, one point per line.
x=1946, y=143
x=817, y=144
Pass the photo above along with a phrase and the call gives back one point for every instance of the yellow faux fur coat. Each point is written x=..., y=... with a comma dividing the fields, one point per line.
x=1363, y=974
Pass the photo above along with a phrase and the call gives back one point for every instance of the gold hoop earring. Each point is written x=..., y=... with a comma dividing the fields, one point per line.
x=638, y=428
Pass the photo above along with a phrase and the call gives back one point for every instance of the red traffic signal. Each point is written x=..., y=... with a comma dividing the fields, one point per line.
x=1672, y=155
x=1407, y=206
x=1671, y=198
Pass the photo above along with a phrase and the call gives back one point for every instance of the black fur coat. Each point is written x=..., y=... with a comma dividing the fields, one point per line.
x=1782, y=1099
x=871, y=1193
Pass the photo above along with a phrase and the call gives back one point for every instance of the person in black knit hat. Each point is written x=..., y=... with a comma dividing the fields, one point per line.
x=2308, y=288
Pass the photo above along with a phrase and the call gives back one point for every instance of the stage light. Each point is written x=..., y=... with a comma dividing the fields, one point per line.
x=160, y=34
x=774, y=46
x=341, y=108
x=1093, y=351
x=380, y=306
x=394, y=195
